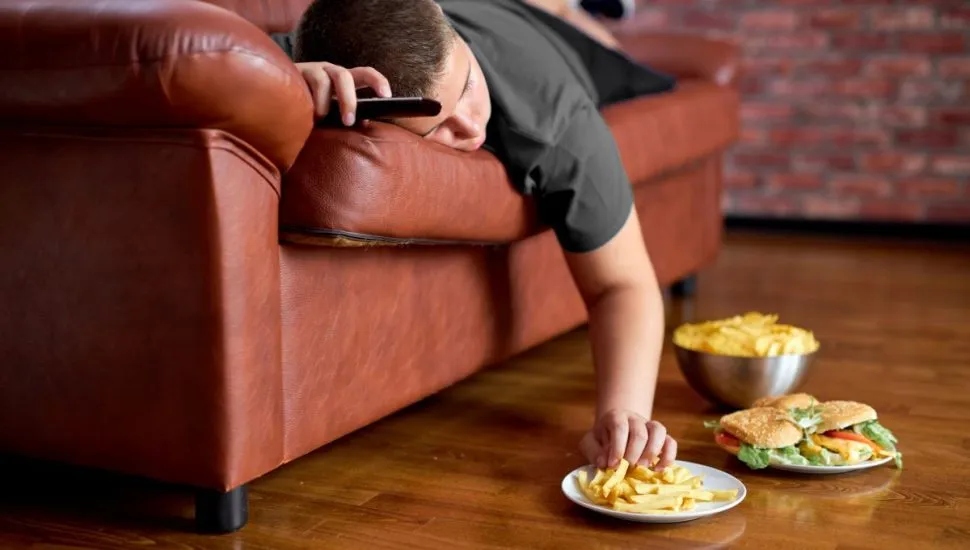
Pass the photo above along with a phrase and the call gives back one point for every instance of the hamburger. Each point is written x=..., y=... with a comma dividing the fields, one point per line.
x=760, y=436
x=836, y=433
x=790, y=401
x=851, y=432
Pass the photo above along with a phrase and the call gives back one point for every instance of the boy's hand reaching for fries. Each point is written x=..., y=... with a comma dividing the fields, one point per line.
x=626, y=434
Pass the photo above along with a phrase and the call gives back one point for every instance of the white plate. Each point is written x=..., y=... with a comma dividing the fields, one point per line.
x=714, y=479
x=821, y=470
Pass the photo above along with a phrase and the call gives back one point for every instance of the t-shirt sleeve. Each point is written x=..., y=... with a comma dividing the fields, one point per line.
x=581, y=188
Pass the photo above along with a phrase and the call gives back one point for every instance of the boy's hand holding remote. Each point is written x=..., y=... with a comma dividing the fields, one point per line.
x=327, y=80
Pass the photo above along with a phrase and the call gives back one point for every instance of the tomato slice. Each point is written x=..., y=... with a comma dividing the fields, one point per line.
x=726, y=439
x=852, y=436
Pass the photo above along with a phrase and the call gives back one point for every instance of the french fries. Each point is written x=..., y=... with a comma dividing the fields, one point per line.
x=749, y=335
x=641, y=490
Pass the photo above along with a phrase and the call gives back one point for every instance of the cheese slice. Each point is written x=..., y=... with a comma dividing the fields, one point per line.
x=809, y=448
x=852, y=452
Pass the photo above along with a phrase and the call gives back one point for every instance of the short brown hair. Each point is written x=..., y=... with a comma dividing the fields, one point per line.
x=407, y=41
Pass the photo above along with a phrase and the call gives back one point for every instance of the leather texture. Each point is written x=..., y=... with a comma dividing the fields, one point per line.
x=659, y=134
x=153, y=323
x=683, y=55
x=140, y=329
x=124, y=63
x=369, y=331
x=269, y=15
x=388, y=183
x=375, y=185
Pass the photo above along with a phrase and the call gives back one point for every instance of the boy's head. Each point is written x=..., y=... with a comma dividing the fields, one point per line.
x=412, y=44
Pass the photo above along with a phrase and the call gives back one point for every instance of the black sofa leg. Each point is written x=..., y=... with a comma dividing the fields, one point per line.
x=685, y=287
x=219, y=512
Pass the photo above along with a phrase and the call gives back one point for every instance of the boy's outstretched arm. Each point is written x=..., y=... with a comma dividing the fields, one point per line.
x=626, y=326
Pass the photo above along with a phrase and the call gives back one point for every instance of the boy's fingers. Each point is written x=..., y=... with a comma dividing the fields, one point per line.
x=600, y=451
x=637, y=440
x=619, y=428
x=669, y=453
x=346, y=92
x=591, y=450
x=319, y=83
x=658, y=437
x=601, y=433
x=367, y=76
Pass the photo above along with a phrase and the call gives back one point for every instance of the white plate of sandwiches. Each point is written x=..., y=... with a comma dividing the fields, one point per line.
x=797, y=433
x=684, y=491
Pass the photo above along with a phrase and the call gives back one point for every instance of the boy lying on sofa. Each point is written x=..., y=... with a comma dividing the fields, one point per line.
x=524, y=79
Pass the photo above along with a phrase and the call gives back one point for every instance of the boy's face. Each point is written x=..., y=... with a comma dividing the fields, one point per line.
x=465, y=104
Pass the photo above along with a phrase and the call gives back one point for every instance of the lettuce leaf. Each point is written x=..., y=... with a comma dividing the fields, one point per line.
x=825, y=458
x=789, y=455
x=755, y=457
x=880, y=435
x=807, y=419
x=712, y=424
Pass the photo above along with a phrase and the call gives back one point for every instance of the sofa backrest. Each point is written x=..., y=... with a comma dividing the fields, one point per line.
x=269, y=15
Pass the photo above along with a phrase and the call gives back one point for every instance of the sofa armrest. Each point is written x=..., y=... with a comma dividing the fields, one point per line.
x=141, y=320
x=178, y=63
x=684, y=55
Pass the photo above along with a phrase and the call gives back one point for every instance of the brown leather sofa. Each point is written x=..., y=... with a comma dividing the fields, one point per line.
x=197, y=286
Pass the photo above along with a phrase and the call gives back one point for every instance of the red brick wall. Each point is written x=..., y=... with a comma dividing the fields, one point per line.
x=853, y=109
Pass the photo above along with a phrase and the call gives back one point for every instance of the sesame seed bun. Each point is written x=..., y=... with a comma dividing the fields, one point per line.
x=764, y=427
x=793, y=400
x=842, y=414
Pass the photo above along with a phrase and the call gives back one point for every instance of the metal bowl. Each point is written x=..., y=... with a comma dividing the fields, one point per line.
x=740, y=381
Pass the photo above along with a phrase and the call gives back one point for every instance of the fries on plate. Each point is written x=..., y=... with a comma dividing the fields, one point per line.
x=641, y=490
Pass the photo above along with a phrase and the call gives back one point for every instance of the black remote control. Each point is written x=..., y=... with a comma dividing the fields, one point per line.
x=376, y=108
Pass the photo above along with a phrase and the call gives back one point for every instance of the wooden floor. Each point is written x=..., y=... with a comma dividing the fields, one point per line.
x=479, y=465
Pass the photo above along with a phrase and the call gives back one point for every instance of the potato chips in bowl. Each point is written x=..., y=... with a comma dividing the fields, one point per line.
x=737, y=360
x=749, y=335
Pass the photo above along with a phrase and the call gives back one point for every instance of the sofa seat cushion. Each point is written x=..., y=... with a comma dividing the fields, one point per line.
x=384, y=185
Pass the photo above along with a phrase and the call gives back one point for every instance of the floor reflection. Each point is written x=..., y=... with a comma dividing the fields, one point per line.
x=826, y=502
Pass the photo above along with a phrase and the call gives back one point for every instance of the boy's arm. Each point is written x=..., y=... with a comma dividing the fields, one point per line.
x=626, y=325
x=583, y=192
x=626, y=319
